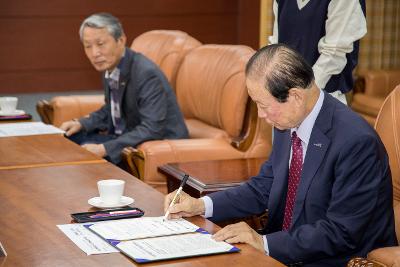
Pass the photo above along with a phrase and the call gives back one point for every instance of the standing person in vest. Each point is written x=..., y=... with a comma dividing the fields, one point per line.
x=326, y=33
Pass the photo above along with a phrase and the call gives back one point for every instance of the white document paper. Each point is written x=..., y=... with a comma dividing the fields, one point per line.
x=87, y=241
x=176, y=246
x=27, y=128
x=3, y=252
x=143, y=227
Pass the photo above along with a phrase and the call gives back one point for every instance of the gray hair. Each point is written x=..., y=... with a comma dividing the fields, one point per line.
x=280, y=68
x=103, y=20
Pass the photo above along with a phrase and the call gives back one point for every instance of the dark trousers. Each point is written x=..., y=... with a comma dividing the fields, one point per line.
x=82, y=138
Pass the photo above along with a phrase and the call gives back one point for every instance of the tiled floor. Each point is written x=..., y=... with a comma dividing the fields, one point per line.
x=28, y=102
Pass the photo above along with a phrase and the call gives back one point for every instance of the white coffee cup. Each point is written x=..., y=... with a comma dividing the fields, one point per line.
x=111, y=191
x=8, y=104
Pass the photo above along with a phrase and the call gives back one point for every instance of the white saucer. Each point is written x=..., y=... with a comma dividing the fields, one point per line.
x=15, y=113
x=98, y=203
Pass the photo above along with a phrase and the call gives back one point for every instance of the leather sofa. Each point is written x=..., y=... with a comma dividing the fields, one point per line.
x=166, y=48
x=371, y=89
x=388, y=127
x=211, y=92
x=221, y=118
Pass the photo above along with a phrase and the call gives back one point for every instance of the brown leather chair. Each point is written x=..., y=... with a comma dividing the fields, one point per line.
x=212, y=94
x=388, y=127
x=371, y=89
x=166, y=48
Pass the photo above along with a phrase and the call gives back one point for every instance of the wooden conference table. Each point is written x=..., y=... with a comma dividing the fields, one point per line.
x=33, y=200
x=42, y=150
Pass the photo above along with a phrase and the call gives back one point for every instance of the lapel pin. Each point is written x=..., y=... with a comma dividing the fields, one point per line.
x=318, y=145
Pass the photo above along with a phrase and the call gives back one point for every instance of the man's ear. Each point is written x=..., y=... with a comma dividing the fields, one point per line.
x=122, y=39
x=296, y=96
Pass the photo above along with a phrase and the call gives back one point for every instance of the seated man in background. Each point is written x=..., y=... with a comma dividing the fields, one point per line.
x=327, y=183
x=140, y=104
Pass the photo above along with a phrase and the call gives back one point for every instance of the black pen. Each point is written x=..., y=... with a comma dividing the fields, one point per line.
x=185, y=177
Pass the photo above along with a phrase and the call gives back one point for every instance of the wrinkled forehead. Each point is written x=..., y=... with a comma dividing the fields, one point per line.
x=90, y=33
x=257, y=91
x=97, y=30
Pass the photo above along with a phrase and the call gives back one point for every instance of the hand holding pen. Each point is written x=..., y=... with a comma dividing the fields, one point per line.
x=184, y=180
x=187, y=205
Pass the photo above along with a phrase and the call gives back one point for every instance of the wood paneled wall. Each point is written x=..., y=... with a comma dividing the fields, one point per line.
x=40, y=49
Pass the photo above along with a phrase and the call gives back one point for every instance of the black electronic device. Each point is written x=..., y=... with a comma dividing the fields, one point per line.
x=109, y=214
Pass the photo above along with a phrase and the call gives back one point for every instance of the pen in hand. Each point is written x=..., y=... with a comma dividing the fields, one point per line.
x=185, y=177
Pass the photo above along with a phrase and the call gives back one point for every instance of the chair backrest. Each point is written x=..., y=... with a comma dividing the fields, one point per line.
x=166, y=48
x=388, y=127
x=380, y=83
x=211, y=90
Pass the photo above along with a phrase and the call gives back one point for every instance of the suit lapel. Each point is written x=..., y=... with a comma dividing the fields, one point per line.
x=125, y=72
x=122, y=86
x=316, y=150
x=281, y=170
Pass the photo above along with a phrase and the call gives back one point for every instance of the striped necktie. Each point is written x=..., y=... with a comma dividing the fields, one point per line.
x=115, y=106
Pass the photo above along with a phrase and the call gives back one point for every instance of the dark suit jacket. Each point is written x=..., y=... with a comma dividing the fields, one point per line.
x=343, y=206
x=148, y=106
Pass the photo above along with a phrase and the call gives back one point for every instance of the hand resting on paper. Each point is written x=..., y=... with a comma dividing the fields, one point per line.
x=187, y=206
x=240, y=233
x=71, y=127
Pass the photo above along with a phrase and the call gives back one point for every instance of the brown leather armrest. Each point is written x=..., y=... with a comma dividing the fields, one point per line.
x=69, y=107
x=45, y=111
x=388, y=256
x=362, y=262
x=367, y=104
x=246, y=138
x=145, y=159
x=134, y=161
x=379, y=83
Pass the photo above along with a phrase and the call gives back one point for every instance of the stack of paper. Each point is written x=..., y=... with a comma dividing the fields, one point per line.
x=151, y=238
x=27, y=128
x=86, y=240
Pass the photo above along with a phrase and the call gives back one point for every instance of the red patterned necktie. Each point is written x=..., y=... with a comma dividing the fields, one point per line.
x=296, y=165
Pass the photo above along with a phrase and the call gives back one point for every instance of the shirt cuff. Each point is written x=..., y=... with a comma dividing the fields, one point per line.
x=208, y=205
x=266, y=245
